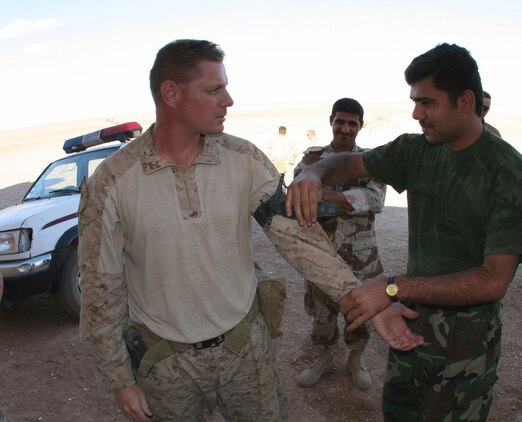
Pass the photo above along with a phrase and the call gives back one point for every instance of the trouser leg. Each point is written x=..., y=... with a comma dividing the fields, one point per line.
x=451, y=377
x=325, y=334
x=323, y=311
x=253, y=392
x=357, y=341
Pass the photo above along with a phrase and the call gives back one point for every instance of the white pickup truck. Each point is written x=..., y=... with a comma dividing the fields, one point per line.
x=39, y=236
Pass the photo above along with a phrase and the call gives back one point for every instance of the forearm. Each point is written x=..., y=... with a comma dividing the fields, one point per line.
x=338, y=168
x=311, y=253
x=102, y=321
x=486, y=283
x=108, y=349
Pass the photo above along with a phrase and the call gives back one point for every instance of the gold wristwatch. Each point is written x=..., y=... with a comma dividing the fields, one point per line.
x=392, y=289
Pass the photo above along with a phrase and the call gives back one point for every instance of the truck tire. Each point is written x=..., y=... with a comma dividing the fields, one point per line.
x=69, y=293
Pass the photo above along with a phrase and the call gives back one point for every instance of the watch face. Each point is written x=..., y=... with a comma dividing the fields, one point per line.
x=392, y=289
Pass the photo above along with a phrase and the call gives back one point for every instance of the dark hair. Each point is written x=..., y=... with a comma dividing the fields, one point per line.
x=453, y=70
x=178, y=62
x=487, y=94
x=348, y=105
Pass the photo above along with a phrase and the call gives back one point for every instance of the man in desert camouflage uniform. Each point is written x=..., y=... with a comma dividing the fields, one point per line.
x=165, y=247
x=352, y=233
x=486, y=106
x=465, y=240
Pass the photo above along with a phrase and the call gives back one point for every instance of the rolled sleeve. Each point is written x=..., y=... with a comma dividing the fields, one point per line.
x=311, y=253
x=368, y=199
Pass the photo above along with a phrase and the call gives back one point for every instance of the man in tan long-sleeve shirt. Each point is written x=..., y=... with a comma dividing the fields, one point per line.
x=165, y=246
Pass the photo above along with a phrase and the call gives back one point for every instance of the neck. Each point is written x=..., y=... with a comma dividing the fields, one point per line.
x=470, y=135
x=177, y=147
x=342, y=148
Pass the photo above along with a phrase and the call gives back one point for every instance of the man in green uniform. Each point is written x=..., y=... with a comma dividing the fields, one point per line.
x=465, y=240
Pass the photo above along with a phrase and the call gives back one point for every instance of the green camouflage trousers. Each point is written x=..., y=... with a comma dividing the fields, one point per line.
x=451, y=377
x=189, y=385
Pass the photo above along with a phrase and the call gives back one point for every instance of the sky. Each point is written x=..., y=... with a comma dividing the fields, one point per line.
x=73, y=60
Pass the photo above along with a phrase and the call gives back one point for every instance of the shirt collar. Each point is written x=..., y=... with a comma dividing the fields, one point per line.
x=152, y=160
x=329, y=148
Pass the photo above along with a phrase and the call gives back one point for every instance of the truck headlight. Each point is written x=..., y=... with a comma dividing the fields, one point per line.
x=15, y=241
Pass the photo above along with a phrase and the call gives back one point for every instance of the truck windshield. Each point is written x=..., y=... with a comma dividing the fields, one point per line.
x=63, y=177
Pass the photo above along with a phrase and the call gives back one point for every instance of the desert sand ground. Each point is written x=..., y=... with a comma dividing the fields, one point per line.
x=46, y=375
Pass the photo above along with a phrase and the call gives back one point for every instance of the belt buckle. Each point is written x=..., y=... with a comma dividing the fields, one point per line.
x=213, y=342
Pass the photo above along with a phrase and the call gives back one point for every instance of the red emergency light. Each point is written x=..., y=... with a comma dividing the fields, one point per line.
x=122, y=132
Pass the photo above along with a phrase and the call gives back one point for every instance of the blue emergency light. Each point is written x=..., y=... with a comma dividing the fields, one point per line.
x=122, y=133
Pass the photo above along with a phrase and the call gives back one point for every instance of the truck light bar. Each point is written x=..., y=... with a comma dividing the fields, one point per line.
x=122, y=133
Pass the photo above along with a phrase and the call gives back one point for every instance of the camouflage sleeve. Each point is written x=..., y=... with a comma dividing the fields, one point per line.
x=104, y=291
x=311, y=253
x=367, y=199
x=308, y=250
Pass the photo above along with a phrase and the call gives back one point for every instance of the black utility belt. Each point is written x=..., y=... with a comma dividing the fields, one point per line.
x=145, y=355
x=213, y=342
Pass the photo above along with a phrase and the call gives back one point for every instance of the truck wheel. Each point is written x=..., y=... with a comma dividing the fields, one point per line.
x=69, y=293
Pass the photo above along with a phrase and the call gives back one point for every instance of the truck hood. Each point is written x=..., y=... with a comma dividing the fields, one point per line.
x=40, y=212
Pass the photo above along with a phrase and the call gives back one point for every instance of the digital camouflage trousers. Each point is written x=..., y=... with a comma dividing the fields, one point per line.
x=190, y=385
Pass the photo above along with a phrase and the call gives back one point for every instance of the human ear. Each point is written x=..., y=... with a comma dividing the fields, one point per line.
x=466, y=101
x=169, y=93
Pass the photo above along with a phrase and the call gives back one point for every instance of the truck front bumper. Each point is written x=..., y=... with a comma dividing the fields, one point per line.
x=26, y=267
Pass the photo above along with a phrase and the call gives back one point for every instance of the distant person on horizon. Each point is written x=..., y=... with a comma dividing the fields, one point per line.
x=464, y=189
x=312, y=139
x=352, y=234
x=283, y=152
x=486, y=106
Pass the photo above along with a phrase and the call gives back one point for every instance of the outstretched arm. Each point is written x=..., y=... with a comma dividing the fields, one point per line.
x=486, y=283
x=310, y=252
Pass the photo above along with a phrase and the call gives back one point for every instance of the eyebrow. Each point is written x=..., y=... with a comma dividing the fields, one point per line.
x=422, y=99
x=351, y=121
